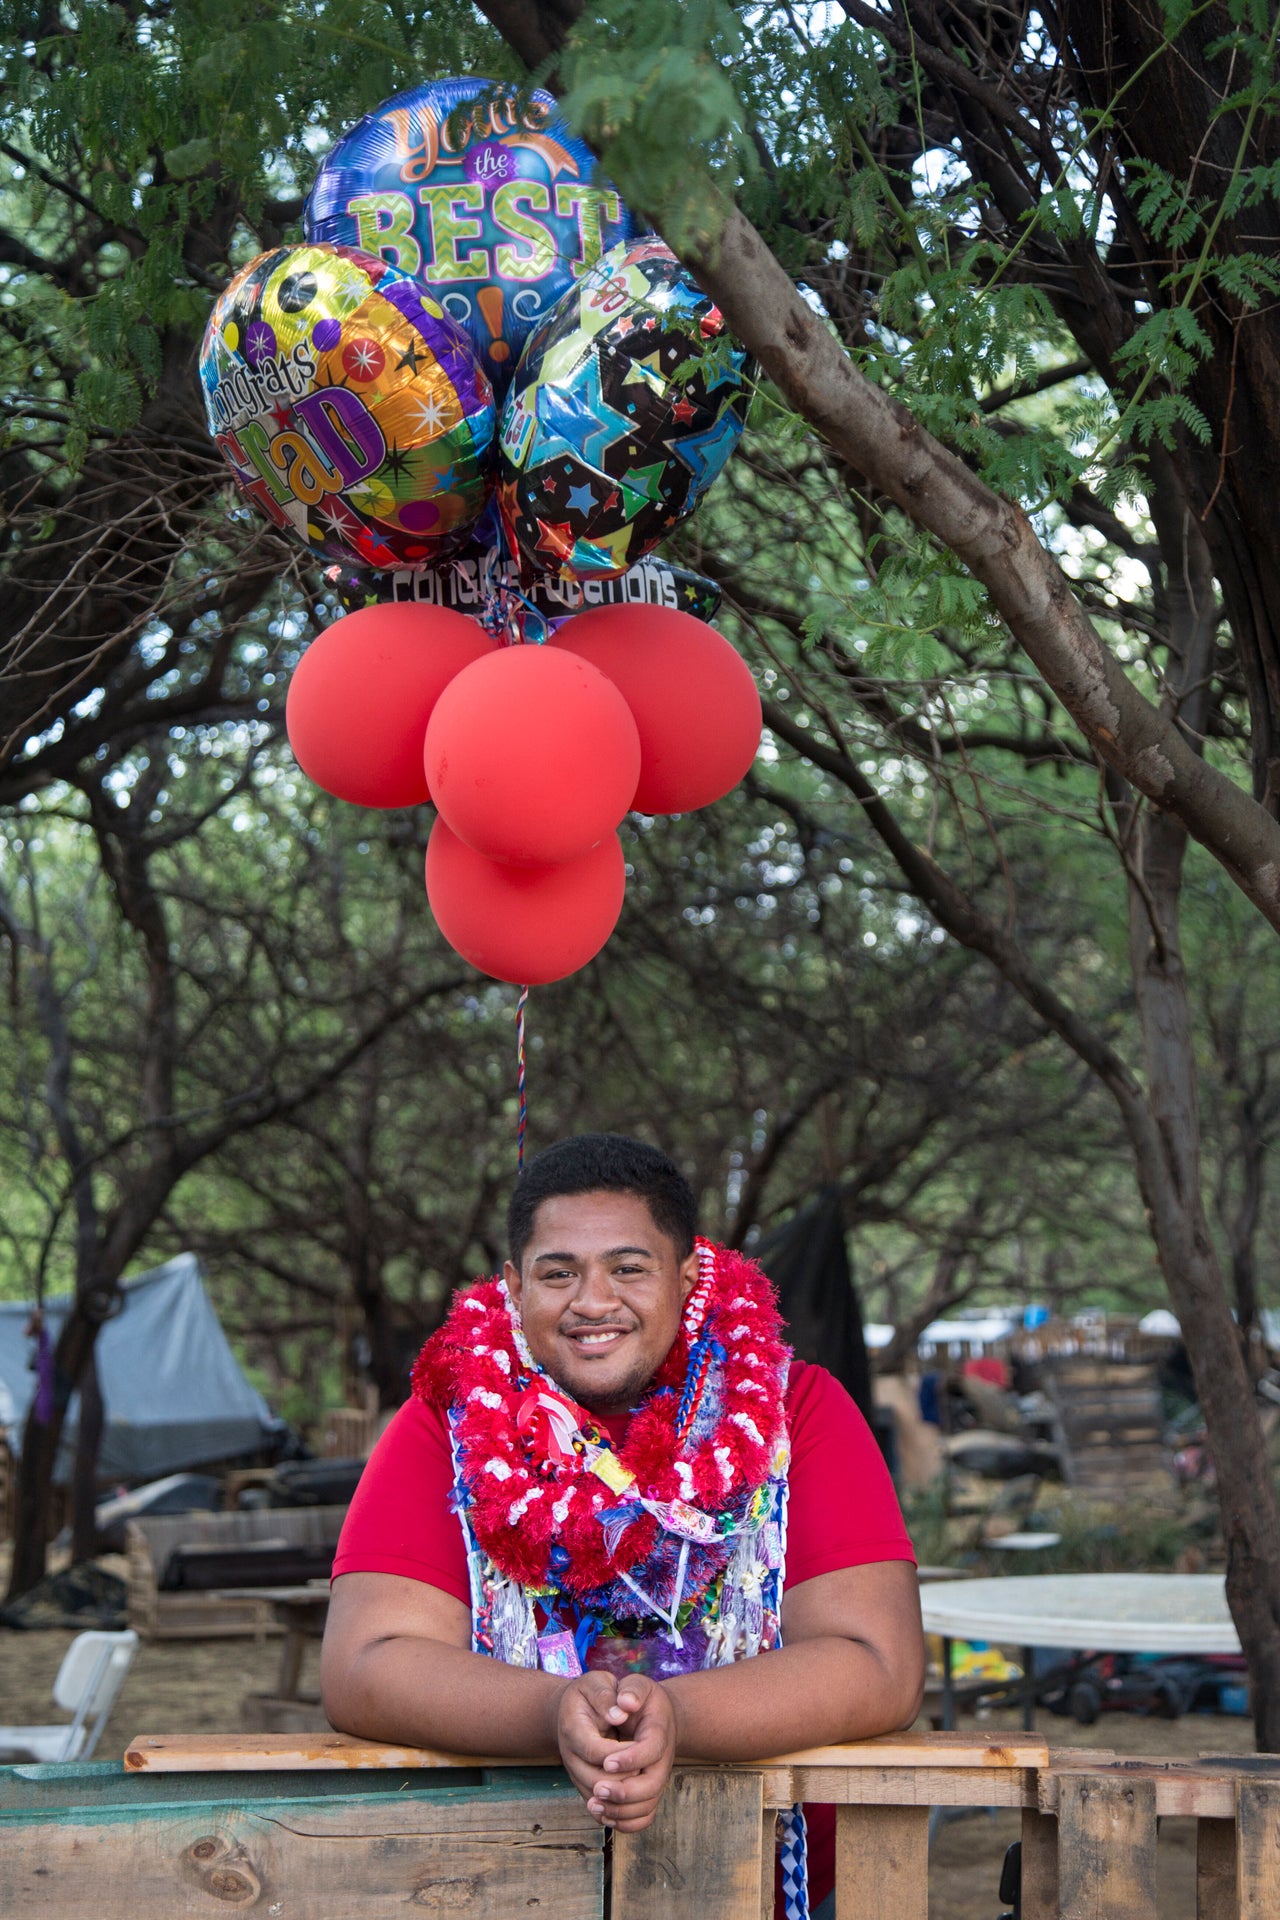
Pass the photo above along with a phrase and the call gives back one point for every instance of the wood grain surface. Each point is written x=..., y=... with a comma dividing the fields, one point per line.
x=702, y=1857
x=1107, y=1848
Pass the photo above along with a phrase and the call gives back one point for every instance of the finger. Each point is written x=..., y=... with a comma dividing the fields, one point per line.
x=609, y=1808
x=596, y=1696
x=633, y=1692
x=626, y=1819
x=650, y=1747
x=630, y=1792
x=582, y=1743
x=633, y=1823
x=583, y=1728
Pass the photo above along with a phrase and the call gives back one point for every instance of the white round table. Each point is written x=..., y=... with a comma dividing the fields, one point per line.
x=1086, y=1612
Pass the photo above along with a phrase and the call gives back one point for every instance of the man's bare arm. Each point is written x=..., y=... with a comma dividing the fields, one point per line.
x=851, y=1665
x=397, y=1666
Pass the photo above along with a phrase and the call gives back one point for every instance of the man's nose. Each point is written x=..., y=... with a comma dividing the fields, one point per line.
x=597, y=1295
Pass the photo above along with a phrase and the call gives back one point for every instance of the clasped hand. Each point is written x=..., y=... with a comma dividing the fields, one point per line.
x=617, y=1739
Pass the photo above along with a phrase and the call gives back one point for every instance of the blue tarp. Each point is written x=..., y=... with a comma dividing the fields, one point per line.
x=173, y=1393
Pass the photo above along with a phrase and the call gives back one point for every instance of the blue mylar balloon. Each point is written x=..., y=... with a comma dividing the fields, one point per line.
x=499, y=216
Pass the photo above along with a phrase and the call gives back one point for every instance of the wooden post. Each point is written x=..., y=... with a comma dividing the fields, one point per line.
x=882, y=1863
x=1258, y=1848
x=1039, y=1865
x=703, y=1855
x=1216, y=1870
x=1107, y=1848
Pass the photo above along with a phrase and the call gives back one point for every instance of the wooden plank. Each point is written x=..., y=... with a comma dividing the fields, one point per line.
x=768, y=1860
x=1099, y=1373
x=702, y=1856
x=353, y=1858
x=1196, y=1789
x=1216, y=1870
x=1039, y=1866
x=1106, y=1848
x=901, y=1786
x=925, y=1750
x=1108, y=1416
x=1258, y=1849
x=882, y=1862
x=1183, y=1791
x=223, y=1752
x=287, y=1753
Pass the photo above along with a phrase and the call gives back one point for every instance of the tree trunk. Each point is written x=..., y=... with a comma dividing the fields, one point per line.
x=40, y=1442
x=1168, y=1161
x=84, y=1479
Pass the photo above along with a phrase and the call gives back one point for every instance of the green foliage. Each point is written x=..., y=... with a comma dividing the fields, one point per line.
x=192, y=118
x=631, y=73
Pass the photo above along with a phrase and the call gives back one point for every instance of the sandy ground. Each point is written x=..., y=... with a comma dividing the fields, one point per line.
x=197, y=1686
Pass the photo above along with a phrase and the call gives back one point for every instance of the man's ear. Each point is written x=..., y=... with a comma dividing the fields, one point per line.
x=511, y=1275
x=688, y=1275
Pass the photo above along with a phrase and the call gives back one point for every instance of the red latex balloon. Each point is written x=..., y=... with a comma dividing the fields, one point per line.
x=527, y=925
x=532, y=756
x=363, y=692
x=695, y=704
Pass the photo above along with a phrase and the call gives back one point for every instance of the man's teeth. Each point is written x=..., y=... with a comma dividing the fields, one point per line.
x=597, y=1339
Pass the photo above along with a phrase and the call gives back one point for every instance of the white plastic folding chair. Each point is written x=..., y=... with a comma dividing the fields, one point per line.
x=89, y=1680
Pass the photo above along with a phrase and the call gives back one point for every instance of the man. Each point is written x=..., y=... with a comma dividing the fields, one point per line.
x=616, y=1521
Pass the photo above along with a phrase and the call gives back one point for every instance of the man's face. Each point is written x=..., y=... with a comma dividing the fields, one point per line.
x=600, y=1290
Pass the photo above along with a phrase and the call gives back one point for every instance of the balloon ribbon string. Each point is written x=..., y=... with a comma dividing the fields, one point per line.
x=523, y=1120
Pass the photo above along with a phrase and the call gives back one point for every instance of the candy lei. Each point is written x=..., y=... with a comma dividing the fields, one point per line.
x=641, y=1531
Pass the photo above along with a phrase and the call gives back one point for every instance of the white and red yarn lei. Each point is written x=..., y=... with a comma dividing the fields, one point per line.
x=710, y=1436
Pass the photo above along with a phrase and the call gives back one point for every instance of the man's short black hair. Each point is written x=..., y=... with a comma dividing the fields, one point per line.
x=610, y=1163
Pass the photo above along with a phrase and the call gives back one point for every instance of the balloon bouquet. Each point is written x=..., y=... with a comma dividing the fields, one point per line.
x=485, y=397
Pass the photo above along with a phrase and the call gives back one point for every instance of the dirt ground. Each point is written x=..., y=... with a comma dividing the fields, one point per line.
x=197, y=1686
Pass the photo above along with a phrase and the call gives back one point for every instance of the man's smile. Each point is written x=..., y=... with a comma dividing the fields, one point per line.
x=596, y=1340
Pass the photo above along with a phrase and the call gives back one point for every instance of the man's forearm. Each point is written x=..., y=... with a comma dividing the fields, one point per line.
x=815, y=1693
x=421, y=1692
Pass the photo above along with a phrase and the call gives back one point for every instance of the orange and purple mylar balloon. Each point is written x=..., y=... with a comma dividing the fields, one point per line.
x=351, y=410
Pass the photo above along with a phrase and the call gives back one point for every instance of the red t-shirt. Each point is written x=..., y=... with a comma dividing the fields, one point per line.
x=841, y=1512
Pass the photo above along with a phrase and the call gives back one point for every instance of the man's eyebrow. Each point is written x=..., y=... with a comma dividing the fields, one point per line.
x=611, y=1253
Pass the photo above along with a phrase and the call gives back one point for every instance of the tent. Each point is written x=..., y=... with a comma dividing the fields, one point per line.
x=173, y=1394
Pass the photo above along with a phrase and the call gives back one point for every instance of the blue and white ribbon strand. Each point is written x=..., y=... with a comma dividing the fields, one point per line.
x=795, y=1864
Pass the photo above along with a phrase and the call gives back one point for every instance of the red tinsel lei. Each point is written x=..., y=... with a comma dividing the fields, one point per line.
x=520, y=1503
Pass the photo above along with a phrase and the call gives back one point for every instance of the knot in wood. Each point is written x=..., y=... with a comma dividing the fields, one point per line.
x=445, y=1896
x=225, y=1883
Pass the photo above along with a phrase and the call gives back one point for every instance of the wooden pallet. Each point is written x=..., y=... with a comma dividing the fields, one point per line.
x=337, y=1829
x=1109, y=1427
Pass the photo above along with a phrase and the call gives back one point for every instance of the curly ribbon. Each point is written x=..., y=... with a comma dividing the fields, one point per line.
x=522, y=1121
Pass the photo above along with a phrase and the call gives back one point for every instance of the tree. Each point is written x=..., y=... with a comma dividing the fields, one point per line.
x=1056, y=209
x=1009, y=276
x=126, y=1092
